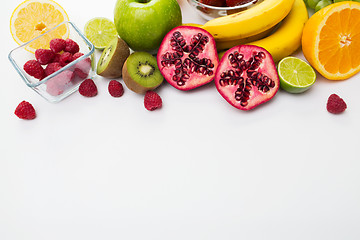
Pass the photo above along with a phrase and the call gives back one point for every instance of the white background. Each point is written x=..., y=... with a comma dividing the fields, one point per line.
x=106, y=168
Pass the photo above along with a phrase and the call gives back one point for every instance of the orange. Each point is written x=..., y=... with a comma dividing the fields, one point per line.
x=331, y=40
x=35, y=17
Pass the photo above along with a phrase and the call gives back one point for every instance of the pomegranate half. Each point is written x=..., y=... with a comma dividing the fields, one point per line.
x=247, y=76
x=187, y=57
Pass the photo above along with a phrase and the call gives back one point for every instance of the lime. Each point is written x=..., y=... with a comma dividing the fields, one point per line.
x=296, y=75
x=100, y=31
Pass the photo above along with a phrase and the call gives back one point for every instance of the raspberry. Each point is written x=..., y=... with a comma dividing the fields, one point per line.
x=44, y=56
x=65, y=58
x=152, y=101
x=335, y=104
x=25, y=111
x=52, y=67
x=88, y=88
x=77, y=55
x=82, y=68
x=115, y=88
x=57, y=45
x=71, y=46
x=79, y=74
x=34, y=69
x=57, y=57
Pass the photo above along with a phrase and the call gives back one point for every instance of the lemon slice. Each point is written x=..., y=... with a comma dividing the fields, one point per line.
x=35, y=17
x=296, y=75
x=100, y=31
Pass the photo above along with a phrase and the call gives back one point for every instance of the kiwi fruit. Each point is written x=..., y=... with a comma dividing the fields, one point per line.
x=141, y=73
x=113, y=58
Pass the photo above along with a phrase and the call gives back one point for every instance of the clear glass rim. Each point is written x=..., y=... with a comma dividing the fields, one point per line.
x=222, y=8
x=13, y=62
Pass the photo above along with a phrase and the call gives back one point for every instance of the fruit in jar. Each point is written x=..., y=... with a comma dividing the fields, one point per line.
x=67, y=78
x=141, y=73
x=32, y=18
x=331, y=46
x=247, y=23
x=247, y=77
x=142, y=24
x=187, y=57
x=113, y=58
x=34, y=69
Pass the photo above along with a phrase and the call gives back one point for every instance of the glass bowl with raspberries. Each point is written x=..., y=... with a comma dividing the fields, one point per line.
x=55, y=63
x=210, y=9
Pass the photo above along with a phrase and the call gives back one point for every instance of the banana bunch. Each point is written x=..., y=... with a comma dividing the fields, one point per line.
x=287, y=38
x=280, y=37
x=250, y=22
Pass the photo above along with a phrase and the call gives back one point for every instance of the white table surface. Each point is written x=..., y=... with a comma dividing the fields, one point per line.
x=106, y=168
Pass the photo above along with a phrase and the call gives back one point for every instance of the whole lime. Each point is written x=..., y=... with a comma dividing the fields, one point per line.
x=142, y=24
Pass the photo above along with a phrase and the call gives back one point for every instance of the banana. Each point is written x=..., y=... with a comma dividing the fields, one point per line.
x=249, y=22
x=287, y=38
x=221, y=45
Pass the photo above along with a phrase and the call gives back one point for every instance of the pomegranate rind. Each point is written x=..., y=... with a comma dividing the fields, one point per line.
x=194, y=72
x=257, y=95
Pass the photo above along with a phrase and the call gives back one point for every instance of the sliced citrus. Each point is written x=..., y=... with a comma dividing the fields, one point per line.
x=35, y=17
x=331, y=40
x=100, y=31
x=296, y=75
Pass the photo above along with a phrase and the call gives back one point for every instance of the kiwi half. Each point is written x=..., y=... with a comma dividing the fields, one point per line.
x=141, y=73
x=113, y=58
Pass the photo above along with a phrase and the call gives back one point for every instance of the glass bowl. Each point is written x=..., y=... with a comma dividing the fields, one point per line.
x=65, y=81
x=210, y=12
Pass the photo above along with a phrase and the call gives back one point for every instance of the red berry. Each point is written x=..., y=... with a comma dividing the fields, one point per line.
x=44, y=56
x=25, y=111
x=52, y=67
x=152, y=101
x=335, y=104
x=71, y=46
x=65, y=58
x=34, y=69
x=77, y=55
x=88, y=88
x=82, y=68
x=57, y=45
x=56, y=57
x=216, y=3
x=115, y=88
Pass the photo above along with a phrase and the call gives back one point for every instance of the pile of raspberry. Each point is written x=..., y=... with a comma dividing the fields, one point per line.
x=48, y=61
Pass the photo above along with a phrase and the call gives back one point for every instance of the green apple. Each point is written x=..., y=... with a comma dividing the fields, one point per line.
x=142, y=24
